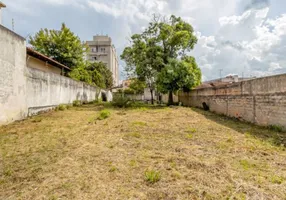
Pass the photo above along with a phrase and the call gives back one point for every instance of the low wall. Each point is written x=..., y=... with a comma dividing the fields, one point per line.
x=26, y=91
x=46, y=89
x=261, y=101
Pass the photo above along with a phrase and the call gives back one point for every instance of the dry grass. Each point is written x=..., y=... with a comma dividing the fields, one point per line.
x=199, y=155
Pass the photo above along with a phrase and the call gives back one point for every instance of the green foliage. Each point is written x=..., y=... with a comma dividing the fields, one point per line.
x=152, y=56
x=276, y=128
x=121, y=101
x=104, y=114
x=76, y=103
x=61, y=45
x=178, y=75
x=62, y=107
x=152, y=176
x=69, y=106
x=129, y=91
x=137, y=86
x=277, y=179
x=93, y=73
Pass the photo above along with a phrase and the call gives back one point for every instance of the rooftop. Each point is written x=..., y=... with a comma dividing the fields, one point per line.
x=2, y=5
x=45, y=58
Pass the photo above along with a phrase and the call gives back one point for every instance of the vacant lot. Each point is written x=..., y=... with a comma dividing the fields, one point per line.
x=143, y=153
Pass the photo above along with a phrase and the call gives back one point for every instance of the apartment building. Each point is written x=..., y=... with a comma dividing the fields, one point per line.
x=101, y=49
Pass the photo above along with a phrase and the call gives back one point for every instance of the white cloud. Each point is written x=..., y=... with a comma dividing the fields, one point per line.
x=238, y=36
x=251, y=44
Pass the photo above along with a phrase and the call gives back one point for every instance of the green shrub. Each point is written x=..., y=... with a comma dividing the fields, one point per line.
x=129, y=91
x=276, y=128
x=152, y=176
x=69, y=106
x=76, y=103
x=121, y=102
x=62, y=107
x=104, y=114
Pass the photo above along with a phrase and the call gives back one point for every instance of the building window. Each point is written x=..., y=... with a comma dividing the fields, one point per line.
x=102, y=49
x=95, y=58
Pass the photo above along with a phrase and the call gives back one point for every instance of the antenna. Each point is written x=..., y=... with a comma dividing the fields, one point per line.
x=220, y=72
x=13, y=24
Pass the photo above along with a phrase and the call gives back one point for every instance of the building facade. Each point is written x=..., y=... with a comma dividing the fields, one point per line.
x=101, y=49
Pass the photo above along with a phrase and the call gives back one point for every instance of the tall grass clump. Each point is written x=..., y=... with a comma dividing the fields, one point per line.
x=104, y=114
x=152, y=176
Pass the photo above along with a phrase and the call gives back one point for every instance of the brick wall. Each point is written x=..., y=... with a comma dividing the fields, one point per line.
x=261, y=101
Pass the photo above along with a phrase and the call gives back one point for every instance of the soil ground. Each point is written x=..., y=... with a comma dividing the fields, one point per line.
x=195, y=154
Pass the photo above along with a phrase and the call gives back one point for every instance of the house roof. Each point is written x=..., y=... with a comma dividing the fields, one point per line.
x=32, y=52
x=2, y=5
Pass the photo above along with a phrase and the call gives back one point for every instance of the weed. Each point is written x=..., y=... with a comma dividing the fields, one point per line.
x=138, y=123
x=229, y=140
x=76, y=103
x=246, y=165
x=190, y=136
x=104, y=114
x=62, y=107
x=135, y=135
x=276, y=128
x=277, y=179
x=112, y=169
x=69, y=106
x=8, y=172
x=133, y=163
x=91, y=120
x=191, y=130
x=152, y=176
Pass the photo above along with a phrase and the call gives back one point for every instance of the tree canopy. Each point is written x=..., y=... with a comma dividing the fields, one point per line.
x=65, y=47
x=93, y=73
x=159, y=56
x=61, y=45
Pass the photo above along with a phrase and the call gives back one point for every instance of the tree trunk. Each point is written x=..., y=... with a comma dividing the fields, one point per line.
x=152, y=98
x=170, y=100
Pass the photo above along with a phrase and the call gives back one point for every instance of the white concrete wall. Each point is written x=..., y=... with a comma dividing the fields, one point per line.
x=25, y=91
x=46, y=89
x=12, y=80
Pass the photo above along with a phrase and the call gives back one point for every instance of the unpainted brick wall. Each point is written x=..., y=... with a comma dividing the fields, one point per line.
x=261, y=101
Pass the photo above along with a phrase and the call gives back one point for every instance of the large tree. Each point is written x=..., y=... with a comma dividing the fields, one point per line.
x=152, y=51
x=61, y=45
x=178, y=74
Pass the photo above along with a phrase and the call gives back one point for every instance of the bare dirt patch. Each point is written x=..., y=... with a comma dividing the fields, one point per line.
x=145, y=153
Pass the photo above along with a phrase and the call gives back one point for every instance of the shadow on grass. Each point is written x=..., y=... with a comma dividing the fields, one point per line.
x=263, y=133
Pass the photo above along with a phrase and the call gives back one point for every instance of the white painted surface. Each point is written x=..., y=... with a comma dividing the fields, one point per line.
x=12, y=80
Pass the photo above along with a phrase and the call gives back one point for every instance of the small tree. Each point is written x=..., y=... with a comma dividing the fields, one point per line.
x=61, y=45
x=178, y=75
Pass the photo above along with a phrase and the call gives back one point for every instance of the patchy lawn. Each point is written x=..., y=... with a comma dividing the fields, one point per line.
x=144, y=153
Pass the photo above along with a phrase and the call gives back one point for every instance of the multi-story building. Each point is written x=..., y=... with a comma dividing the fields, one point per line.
x=101, y=49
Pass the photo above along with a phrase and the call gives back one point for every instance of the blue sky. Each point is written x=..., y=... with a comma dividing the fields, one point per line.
x=238, y=36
